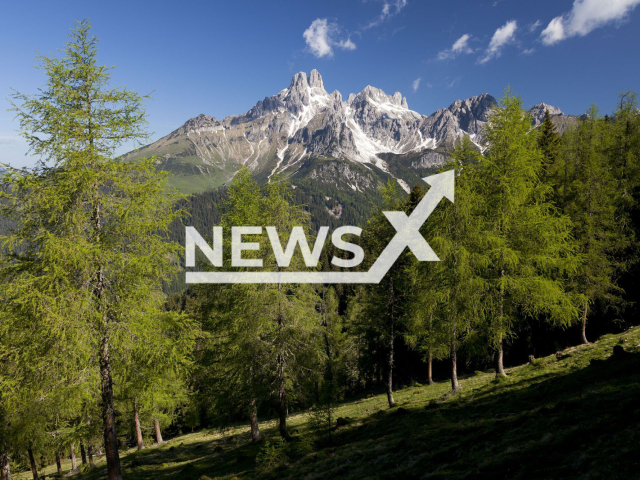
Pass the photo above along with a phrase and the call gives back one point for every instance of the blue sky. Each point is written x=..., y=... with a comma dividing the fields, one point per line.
x=221, y=57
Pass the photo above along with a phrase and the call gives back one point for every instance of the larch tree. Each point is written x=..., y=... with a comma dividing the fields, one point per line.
x=287, y=310
x=232, y=376
x=551, y=148
x=525, y=242
x=381, y=309
x=88, y=256
x=455, y=287
x=153, y=385
x=588, y=191
x=265, y=335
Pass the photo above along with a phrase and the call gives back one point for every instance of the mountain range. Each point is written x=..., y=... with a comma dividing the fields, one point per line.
x=304, y=132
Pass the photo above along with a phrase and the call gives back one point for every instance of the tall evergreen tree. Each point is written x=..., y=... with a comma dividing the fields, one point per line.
x=624, y=154
x=154, y=383
x=266, y=334
x=87, y=257
x=525, y=243
x=587, y=190
x=550, y=145
x=453, y=230
x=381, y=308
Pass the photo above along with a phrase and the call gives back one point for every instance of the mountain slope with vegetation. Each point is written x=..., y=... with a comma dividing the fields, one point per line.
x=567, y=416
x=290, y=132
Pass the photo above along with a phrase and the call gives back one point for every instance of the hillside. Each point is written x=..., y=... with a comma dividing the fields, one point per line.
x=574, y=417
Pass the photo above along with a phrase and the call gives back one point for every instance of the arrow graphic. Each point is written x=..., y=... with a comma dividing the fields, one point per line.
x=407, y=235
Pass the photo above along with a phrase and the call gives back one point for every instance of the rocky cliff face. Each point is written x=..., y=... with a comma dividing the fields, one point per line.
x=559, y=119
x=538, y=112
x=304, y=122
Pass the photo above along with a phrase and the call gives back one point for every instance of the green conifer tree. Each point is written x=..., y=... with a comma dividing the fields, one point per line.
x=381, y=309
x=87, y=258
x=550, y=145
x=455, y=287
x=525, y=243
x=587, y=189
x=266, y=334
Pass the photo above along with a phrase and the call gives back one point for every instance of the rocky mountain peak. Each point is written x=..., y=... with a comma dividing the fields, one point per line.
x=378, y=96
x=202, y=121
x=315, y=79
x=478, y=106
x=473, y=112
x=298, y=95
x=538, y=112
x=544, y=107
x=299, y=81
x=301, y=123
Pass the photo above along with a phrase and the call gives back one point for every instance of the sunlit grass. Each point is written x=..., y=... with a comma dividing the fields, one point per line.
x=573, y=418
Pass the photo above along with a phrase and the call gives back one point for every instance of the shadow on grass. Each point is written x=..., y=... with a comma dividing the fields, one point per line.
x=579, y=423
x=582, y=424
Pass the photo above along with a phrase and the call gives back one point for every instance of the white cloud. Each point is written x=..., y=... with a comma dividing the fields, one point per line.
x=317, y=37
x=347, y=44
x=502, y=36
x=535, y=26
x=554, y=32
x=389, y=9
x=321, y=37
x=528, y=51
x=459, y=46
x=584, y=17
x=416, y=84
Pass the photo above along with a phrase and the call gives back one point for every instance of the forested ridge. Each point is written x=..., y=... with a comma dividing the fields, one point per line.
x=538, y=258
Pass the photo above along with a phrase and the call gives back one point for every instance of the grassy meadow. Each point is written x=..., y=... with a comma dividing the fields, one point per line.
x=554, y=418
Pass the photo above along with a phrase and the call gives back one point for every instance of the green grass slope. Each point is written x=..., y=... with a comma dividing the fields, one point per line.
x=577, y=417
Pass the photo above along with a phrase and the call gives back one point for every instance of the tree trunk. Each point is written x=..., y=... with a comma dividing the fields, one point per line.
x=282, y=401
x=430, y=358
x=392, y=336
x=253, y=419
x=83, y=454
x=58, y=463
x=73, y=457
x=112, y=457
x=5, y=467
x=584, y=323
x=156, y=426
x=390, y=399
x=34, y=468
x=136, y=419
x=500, y=352
x=90, y=454
x=454, y=366
x=499, y=360
x=282, y=388
x=327, y=347
x=108, y=413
